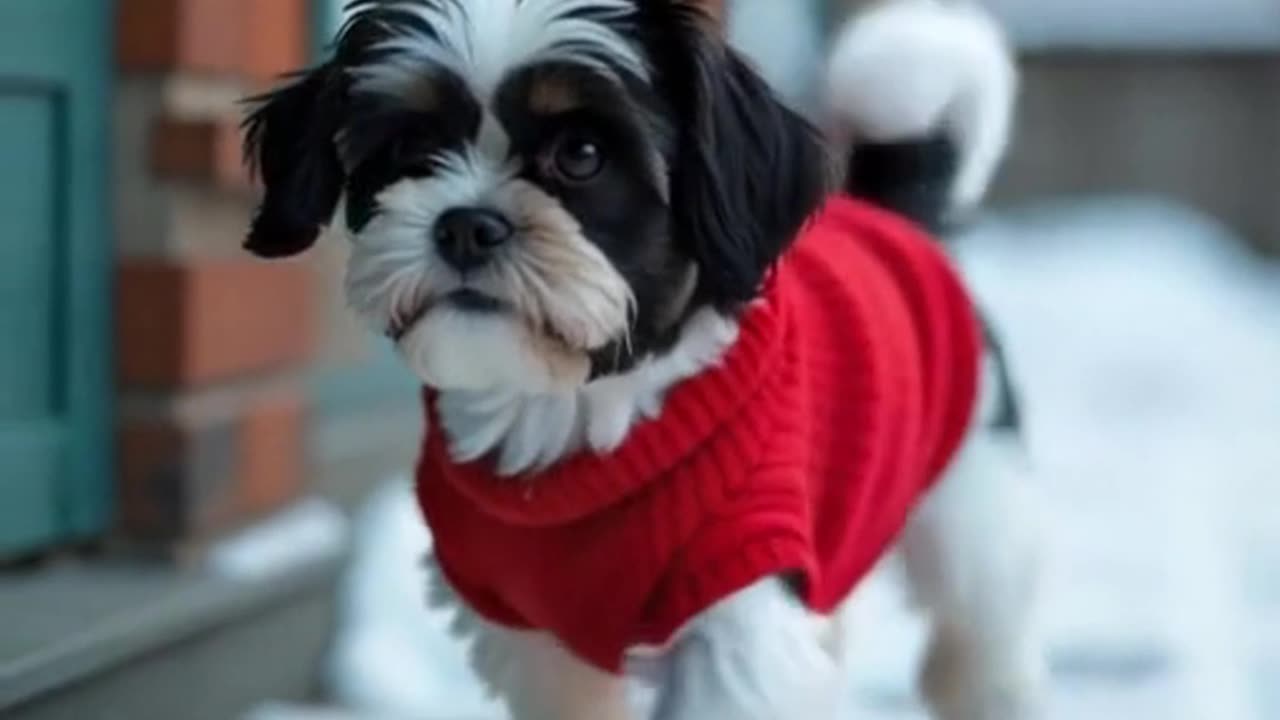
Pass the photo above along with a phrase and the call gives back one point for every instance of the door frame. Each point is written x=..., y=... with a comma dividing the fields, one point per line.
x=90, y=486
x=82, y=94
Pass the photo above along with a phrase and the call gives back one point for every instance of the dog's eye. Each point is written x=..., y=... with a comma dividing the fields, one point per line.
x=578, y=157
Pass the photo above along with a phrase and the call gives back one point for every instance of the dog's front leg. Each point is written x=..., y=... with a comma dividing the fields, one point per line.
x=540, y=680
x=758, y=655
x=531, y=672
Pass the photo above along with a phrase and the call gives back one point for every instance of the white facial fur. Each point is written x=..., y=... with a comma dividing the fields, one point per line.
x=483, y=41
x=551, y=276
x=564, y=296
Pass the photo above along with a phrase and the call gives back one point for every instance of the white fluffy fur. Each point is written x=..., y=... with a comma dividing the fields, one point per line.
x=482, y=41
x=393, y=265
x=468, y=352
x=972, y=552
x=754, y=656
x=907, y=68
x=528, y=431
x=535, y=676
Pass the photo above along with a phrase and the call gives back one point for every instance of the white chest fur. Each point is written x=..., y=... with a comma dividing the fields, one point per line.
x=527, y=432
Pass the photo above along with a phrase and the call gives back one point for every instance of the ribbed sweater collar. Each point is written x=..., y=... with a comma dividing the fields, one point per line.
x=586, y=482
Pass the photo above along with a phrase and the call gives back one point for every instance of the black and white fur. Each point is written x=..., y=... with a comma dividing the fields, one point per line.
x=556, y=209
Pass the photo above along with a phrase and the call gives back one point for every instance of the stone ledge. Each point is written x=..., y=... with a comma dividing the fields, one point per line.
x=81, y=624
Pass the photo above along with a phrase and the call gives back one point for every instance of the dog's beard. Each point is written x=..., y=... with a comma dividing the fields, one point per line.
x=461, y=350
x=527, y=321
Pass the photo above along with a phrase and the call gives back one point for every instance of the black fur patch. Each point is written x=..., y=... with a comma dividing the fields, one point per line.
x=748, y=170
x=913, y=177
x=1007, y=416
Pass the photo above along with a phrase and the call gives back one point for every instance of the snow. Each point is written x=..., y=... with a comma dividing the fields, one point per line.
x=1147, y=349
x=1147, y=346
x=308, y=532
x=393, y=656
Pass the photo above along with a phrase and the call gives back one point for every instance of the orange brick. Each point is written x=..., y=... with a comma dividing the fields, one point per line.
x=278, y=39
x=146, y=34
x=183, y=479
x=195, y=321
x=271, y=454
x=205, y=151
x=254, y=39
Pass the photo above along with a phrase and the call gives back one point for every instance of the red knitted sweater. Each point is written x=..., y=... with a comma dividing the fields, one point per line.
x=846, y=394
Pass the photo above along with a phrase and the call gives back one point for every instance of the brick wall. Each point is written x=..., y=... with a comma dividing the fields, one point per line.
x=1196, y=128
x=213, y=346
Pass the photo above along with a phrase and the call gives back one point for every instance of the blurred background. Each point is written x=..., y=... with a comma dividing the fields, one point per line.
x=202, y=505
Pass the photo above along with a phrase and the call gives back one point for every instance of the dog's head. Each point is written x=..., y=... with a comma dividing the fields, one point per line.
x=537, y=192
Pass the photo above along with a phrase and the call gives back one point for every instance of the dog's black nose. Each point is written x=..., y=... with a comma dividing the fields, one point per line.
x=468, y=236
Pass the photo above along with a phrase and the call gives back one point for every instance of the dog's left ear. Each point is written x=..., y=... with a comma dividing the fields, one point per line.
x=289, y=140
x=748, y=169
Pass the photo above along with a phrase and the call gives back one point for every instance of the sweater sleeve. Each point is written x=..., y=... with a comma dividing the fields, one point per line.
x=947, y=332
x=762, y=532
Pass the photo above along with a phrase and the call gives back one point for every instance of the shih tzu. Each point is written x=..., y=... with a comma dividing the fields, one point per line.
x=680, y=397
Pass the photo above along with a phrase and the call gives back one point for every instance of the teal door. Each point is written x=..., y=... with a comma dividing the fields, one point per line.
x=55, y=259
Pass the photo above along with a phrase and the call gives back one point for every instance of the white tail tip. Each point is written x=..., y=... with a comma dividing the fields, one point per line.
x=915, y=68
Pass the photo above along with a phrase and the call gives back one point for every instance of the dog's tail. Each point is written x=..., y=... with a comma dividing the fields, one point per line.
x=925, y=91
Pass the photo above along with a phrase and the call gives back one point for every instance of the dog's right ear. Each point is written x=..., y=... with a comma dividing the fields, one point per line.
x=289, y=142
x=749, y=170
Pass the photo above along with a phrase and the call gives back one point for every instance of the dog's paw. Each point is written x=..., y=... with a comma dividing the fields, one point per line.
x=750, y=681
x=757, y=656
x=960, y=684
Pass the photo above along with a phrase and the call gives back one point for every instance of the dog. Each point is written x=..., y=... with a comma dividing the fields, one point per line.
x=605, y=247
